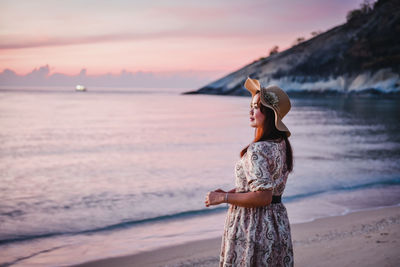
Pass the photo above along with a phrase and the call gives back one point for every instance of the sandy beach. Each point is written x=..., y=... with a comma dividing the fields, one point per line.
x=363, y=238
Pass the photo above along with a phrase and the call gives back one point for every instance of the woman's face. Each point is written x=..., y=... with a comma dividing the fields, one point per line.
x=256, y=117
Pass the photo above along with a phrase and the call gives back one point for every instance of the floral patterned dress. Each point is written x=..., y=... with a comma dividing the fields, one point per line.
x=259, y=236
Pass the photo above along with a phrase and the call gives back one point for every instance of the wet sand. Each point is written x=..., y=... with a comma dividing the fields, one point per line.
x=364, y=238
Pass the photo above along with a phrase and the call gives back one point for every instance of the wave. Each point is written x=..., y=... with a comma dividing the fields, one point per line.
x=121, y=225
x=192, y=213
x=336, y=189
x=4, y=264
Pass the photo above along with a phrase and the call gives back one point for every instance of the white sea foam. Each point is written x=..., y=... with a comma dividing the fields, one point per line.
x=385, y=81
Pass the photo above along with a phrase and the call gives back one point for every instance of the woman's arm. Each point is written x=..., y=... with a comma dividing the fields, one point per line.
x=222, y=191
x=247, y=200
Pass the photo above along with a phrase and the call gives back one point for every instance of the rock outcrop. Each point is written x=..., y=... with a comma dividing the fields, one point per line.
x=362, y=55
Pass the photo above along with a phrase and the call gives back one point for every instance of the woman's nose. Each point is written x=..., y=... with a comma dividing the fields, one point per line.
x=251, y=111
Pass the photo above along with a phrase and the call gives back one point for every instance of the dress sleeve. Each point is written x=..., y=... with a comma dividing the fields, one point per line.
x=262, y=161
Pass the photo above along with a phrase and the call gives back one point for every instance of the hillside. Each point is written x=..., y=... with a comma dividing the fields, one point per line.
x=362, y=55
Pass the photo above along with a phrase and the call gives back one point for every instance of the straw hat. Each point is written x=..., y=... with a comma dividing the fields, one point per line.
x=274, y=98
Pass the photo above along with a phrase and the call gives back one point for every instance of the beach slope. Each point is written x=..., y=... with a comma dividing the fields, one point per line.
x=364, y=238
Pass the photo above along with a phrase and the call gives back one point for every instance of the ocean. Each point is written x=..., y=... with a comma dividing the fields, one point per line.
x=112, y=171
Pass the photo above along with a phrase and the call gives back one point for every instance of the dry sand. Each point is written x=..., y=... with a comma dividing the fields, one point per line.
x=364, y=238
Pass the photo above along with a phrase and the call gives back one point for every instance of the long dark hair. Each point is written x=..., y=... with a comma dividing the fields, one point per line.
x=269, y=133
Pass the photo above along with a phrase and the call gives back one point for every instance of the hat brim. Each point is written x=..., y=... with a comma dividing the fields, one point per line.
x=252, y=85
x=278, y=122
x=281, y=126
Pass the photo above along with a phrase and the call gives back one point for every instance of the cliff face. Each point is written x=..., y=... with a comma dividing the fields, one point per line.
x=360, y=55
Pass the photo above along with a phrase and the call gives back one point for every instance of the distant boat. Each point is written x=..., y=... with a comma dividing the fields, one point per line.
x=80, y=88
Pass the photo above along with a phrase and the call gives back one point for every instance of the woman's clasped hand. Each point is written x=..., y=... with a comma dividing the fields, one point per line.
x=216, y=197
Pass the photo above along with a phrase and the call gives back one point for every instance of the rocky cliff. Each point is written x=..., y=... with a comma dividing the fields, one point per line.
x=362, y=55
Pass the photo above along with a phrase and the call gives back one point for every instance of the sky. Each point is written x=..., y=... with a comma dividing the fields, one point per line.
x=191, y=42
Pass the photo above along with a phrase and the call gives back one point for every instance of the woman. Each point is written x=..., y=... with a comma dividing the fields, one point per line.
x=257, y=230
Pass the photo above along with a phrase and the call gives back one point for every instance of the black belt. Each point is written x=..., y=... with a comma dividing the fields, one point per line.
x=276, y=199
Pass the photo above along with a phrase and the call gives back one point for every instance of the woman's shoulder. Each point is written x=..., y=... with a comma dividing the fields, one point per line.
x=265, y=145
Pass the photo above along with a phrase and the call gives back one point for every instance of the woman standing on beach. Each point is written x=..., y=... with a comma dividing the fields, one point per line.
x=257, y=230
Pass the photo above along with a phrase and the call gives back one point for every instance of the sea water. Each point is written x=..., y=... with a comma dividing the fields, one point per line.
x=110, y=172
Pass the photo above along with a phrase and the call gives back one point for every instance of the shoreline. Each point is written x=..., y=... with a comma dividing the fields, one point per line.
x=360, y=238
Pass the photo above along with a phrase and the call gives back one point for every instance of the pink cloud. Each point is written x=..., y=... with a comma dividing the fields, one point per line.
x=42, y=76
x=204, y=35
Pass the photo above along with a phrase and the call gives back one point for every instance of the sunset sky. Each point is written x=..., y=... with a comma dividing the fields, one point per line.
x=207, y=38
